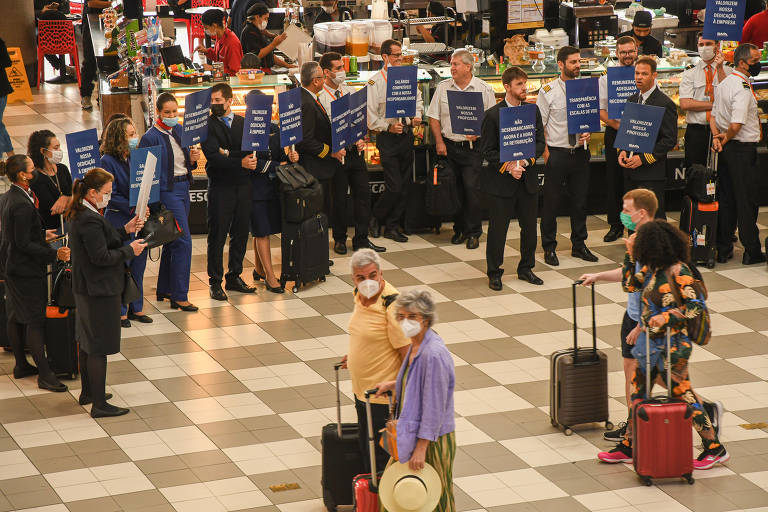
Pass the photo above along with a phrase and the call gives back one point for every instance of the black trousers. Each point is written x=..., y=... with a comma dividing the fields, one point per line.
x=565, y=171
x=352, y=177
x=379, y=415
x=658, y=187
x=58, y=62
x=614, y=181
x=466, y=164
x=522, y=205
x=697, y=144
x=229, y=213
x=397, y=160
x=88, y=69
x=737, y=175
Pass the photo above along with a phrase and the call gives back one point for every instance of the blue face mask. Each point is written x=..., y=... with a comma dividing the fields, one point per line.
x=133, y=143
x=170, y=122
x=626, y=220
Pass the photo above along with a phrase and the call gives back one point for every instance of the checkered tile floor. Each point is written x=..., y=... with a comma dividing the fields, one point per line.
x=228, y=402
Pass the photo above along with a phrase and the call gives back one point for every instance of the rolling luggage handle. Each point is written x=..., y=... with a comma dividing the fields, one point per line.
x=371, y=438
x=667, y=363
x=336, y=368
x=575, y=327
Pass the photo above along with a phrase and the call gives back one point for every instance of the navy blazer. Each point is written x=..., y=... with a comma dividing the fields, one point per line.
x=157, y=137
x=22, y=239
x=225, y=168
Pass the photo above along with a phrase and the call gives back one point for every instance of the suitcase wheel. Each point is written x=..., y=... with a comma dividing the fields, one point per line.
x=608, y=425
x=322, y=279
x=689, y=478
x=554, y=423
x=711, y=263
x=295, y=288
x=568, y=431
x=647, y=480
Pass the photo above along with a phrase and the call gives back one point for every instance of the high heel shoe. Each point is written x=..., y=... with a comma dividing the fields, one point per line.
x=162, y=296
x=274, y=289
x=258, y=277
x=188, y=307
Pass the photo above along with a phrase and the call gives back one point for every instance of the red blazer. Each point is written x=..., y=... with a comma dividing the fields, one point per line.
x=227, y=50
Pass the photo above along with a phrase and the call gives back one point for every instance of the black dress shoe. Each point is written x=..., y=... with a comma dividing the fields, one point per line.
x=528, y=275
x=374, y=228
x=55, y=385
x=458, y=238
x=751, y=259
x=368, y=245
x=144, y=319
x=86, y=399
x=395, y=235
x=494, y=283
x=583, y=253
x=107, y=411
x=257, y=276
x=125, y=323
x=613, y=234
x=188, y=307
x=238, y=285
x=24, y=371
x=217, y=293
x=62, y=79
x=550, y=258
x=473, y=242
x=340, y=248
x=724, y=257
x=162, y=296
x=274, y=289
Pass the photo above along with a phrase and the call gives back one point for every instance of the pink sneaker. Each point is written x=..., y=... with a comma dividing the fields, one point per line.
x=619, y=454
x=709, y=458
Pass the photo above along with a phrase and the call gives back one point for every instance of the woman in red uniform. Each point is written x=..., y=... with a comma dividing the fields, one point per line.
x=227, y=48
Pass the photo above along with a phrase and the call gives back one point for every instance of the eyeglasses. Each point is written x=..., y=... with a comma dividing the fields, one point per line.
x=624, y=54
x=395, y=55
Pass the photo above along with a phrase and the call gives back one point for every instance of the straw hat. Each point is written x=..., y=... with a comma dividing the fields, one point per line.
x=404, y=490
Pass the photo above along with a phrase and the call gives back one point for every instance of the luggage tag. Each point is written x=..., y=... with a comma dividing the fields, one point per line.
x=711, y=188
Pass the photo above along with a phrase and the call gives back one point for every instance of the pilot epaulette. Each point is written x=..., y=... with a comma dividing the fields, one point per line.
x=371, y=82
x=547, y=88
x=746, y=85
x=689, y=66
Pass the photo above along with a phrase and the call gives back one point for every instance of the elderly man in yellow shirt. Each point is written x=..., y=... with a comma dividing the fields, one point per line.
x=377, y=344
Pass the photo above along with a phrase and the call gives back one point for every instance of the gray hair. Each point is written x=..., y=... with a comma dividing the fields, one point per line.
x=308, y=70
x=743, y=53
x=418, y=301
x=363, y=258
x=465, y=57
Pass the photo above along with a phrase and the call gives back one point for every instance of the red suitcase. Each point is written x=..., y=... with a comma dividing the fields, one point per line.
x=662, y=439
x=365, y=487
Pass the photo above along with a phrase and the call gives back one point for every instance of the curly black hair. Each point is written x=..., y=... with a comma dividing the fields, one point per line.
x=40, y=139
x=659, y=245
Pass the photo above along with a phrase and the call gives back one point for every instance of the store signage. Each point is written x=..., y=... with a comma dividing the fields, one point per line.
x=197, y=110
x=621, y=85
x=724, y=20
x=340, y=123
x=639, y=127
x=583, y=105
x=401, y=92
x=138, y=161
x=289, y=105
x=467, y=111
x=258, y=120
x=83, y=150
x=358, y=114
x=517, y=133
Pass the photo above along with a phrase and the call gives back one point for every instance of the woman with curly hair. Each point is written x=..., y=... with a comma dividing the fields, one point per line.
x=52, y=183
x=664, y=256
x=117, y=142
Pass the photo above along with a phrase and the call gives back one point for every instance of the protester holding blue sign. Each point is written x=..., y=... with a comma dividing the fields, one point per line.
x=175, y=172
x=620, y=88
x=512, y=186
x=459, y=146
x=649, y=170
x=566, y=160
x=118, y=141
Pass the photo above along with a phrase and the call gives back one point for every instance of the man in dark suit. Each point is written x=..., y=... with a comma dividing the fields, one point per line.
x=229, y=193
x=649, y=170
x=512, y=187
x=315, y=149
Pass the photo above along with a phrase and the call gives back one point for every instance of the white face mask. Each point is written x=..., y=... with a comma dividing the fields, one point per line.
x=339, y=77
x=368, y=288
x=263, y=25
x=56, y=157
x=410, y=327
x=707, y=52
x=104, y=201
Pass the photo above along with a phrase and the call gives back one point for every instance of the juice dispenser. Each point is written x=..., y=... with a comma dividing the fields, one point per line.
x=358, y=37
x=382, y=30
x=337, y=37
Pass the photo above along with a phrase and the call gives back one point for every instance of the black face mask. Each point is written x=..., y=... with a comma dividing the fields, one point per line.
x=754, y=69
x=218, y=110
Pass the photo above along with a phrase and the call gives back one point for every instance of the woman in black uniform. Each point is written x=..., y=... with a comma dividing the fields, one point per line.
x=26, y=256
x=256, y=39
x=98, y=272
x=53, y=183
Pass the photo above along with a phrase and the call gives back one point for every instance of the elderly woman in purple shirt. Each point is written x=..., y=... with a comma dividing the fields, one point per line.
x=424, y=394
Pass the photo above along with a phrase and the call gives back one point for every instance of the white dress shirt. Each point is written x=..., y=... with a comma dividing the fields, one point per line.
x=554, y=114
x=736, y=103
x=377, y=103
x=179, y=168
x=440, y=111
x=693, y=84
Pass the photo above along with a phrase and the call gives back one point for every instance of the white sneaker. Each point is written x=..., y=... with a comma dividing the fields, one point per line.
x=86, y=104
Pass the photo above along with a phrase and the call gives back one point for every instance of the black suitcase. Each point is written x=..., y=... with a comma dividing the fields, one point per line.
x=579, y=381
x=305, y=251
x=442, y=194
x=699, y=220
x=60, y=345
x=4, y=341
x=701, y=180
x=302, y=193
x=341, y=457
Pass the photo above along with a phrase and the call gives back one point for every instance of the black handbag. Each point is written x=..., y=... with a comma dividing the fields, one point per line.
x=63, y=296
x=160, y=228
x=131, y=291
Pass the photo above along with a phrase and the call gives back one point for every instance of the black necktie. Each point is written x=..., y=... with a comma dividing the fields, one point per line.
x=338, y=94
x=572, y=139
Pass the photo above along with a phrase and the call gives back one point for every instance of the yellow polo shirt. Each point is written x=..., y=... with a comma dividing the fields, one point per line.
x=374, y=339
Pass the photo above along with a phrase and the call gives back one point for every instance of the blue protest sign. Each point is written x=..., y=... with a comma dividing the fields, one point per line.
x=467, y=111
x=358, y=114
x=339, y=123
x=639, y=127
x=258, y=117
x=724, y=20
x=621, y=85
x=83, y=149
x=289, y=105
x=197, y=107
x=401, y=91
x=583, y=105
x=138, y=160
x=517, y=133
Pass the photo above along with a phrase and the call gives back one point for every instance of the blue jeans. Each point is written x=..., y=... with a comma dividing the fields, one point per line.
x=5, y=140
x=176, y=259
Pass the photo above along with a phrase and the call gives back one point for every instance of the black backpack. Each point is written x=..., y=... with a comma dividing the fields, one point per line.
x=442, y=194
x=302, y=193
x=701, y=181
